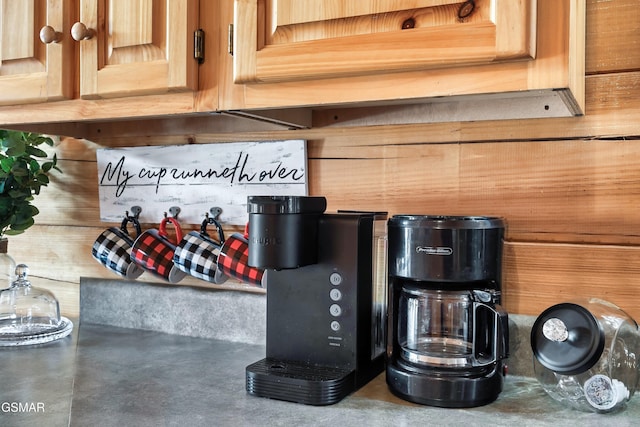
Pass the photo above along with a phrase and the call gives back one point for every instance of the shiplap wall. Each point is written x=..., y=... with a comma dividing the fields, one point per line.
x=568, y=188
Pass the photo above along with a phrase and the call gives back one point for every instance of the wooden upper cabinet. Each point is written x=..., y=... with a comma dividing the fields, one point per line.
x=32, y=70
x=354, y=62
x=136, y=47
x=289, y=40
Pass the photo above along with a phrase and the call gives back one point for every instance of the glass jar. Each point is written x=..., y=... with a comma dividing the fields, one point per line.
x=7, y=265
x=586, y=354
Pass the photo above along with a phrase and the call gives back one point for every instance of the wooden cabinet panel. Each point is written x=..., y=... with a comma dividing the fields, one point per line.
x=285, y=40
x=550, y=85
x=137, y=47
x=613, y=36
x=30, y=70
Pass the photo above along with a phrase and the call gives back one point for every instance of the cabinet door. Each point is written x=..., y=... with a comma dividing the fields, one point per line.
x=286, y=40
x=136, y=47
x=30, y=69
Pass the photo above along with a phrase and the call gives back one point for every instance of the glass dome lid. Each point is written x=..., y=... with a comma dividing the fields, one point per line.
x=30, y=315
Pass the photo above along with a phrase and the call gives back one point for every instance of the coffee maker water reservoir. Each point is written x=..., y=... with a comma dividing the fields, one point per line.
x=447, y=333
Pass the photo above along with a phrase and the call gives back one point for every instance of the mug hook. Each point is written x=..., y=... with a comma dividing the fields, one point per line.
x=135, y=210
x=174, y=211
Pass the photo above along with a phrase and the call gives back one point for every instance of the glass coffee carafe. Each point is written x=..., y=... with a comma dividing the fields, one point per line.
x=450, y=329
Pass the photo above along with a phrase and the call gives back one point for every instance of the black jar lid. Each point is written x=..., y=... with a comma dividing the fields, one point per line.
x=567, y=339
x=286, y=205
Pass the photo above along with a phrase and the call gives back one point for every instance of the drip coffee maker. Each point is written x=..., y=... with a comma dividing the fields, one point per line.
x=447, y=335
x=325, y=276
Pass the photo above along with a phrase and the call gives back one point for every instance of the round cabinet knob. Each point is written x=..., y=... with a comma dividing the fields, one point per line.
x=80, y=32
x=48, y=35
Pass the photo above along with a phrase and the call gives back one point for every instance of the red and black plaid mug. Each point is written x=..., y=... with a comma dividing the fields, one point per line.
x=153, y=250
x=233, y=261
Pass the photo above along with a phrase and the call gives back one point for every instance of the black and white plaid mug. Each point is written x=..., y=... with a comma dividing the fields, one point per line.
x=112, y=249
x=197, y=252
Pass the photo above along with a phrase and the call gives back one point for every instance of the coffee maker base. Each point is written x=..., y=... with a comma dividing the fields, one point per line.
x=299, y=382
x=445, y=391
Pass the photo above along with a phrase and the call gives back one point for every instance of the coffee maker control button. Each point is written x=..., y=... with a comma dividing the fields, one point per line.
x=335, y=326
x=335, y=295
x=335, y=279
x=335, y=310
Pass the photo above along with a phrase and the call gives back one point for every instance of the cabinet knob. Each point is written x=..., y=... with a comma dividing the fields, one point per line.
x=80, y=32
x=48, y=35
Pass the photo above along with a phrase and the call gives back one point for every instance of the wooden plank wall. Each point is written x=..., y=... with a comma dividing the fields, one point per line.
x=568, y=188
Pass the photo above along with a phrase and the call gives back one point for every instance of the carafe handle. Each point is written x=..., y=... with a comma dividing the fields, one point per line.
x=499, y=344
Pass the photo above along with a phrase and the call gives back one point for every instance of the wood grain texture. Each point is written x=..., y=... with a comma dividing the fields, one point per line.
x=92, y=109
x=612, y=37
x=534, y=282
x=336, y=39
x=31, y=71
x=143, y=48
x=550, y=70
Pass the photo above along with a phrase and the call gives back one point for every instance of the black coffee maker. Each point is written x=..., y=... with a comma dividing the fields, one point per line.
x=447, y=337
x=326, y=298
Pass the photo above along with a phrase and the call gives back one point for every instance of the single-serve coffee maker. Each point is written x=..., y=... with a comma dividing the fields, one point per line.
x=325, y=276
x=447, y=337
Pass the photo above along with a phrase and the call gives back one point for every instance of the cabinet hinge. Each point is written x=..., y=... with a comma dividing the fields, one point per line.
x=198, y=45
x=230, y=40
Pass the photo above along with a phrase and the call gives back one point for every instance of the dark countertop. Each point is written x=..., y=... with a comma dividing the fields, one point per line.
x=145, y=355
x=40, y=377
x=120, y=376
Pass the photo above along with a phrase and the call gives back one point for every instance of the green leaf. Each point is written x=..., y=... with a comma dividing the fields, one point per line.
x=20, y=169
x=23, y=225
x=16, y=148
x=24, y=215
x=35, y=151
x=42, y=179
x=6, y=164
x=18, y=194
x=13, y=232
x=34, y=166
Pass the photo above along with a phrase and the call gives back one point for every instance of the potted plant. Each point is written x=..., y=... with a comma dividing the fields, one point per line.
x=24, y=170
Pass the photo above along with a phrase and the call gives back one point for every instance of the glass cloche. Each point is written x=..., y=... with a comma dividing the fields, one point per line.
x=30, y=315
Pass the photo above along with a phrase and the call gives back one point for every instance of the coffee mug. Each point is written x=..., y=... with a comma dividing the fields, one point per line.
x=197, y=253
x=233, y=261
x=112, y=249
x=153, y=251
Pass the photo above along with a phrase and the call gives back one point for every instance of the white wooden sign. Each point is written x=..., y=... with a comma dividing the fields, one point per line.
x=196, y=178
